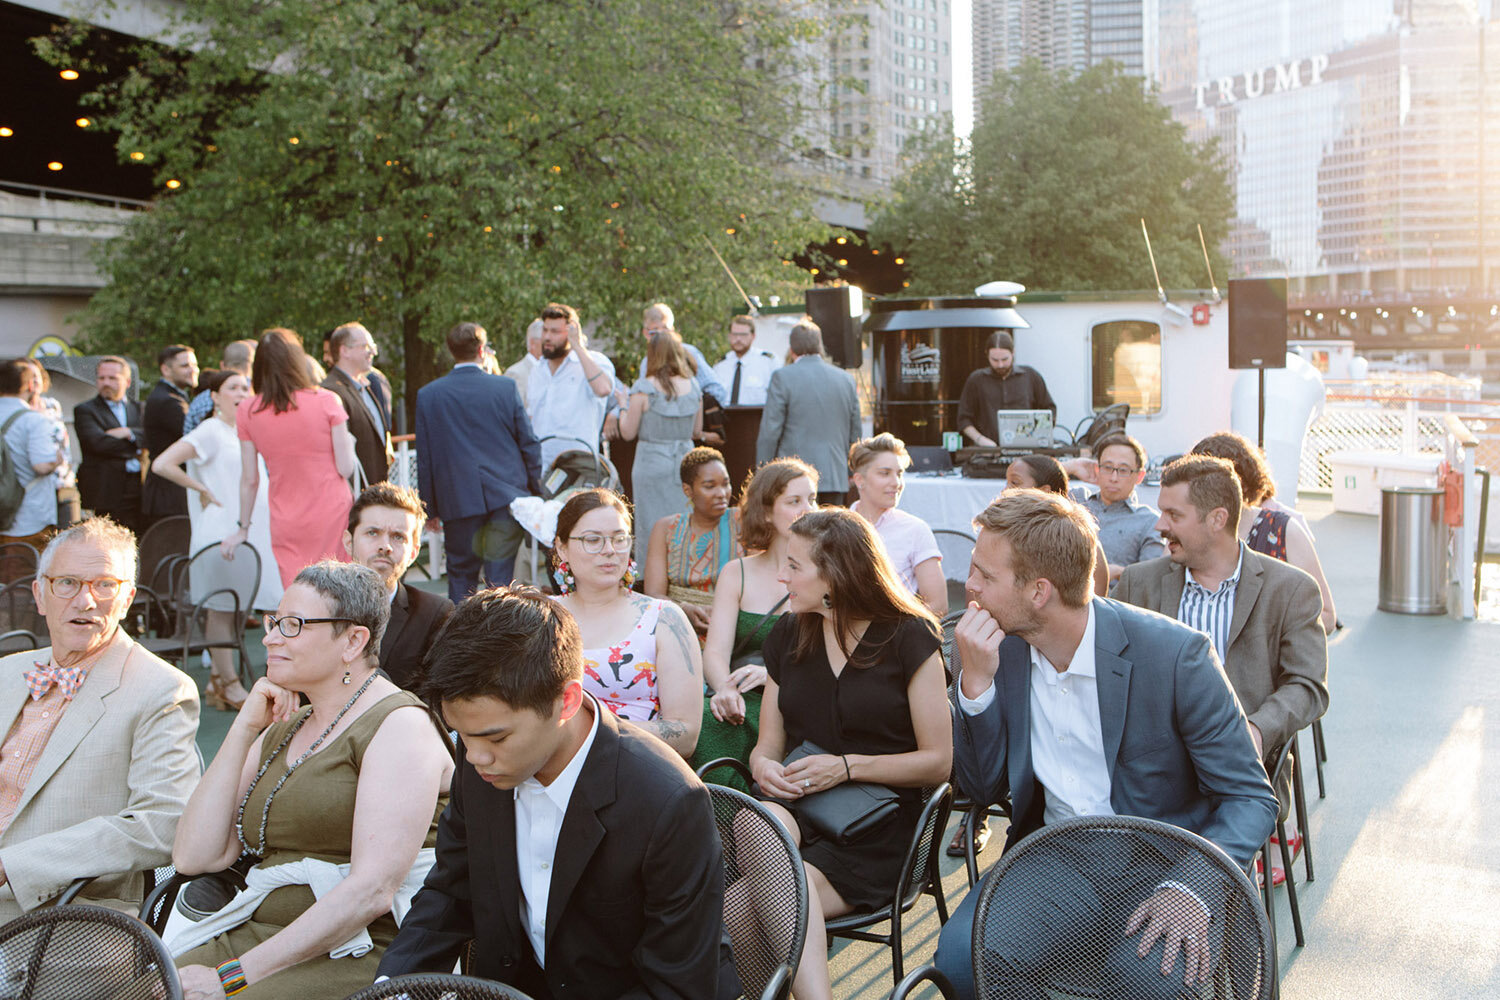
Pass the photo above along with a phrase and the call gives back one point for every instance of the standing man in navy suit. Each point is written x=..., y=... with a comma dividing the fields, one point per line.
x=110, y=435
x=475, y=454
x=1078, y=706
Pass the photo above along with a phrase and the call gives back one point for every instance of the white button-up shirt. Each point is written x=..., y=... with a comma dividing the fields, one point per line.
x=1067, y=738
x=755, y=376
x=563, y=405
x=539, y=817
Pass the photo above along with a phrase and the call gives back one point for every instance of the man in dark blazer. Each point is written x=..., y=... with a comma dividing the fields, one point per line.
x=812, y=412
x=1078, y=706
x=353, y=379
x=578, y=853
x=475, y=454
x=166, y=409
x=1263, y=615
x=110, y=437
x=385, y=534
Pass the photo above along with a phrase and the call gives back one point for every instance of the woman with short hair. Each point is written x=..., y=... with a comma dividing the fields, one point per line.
x=877, y=469
x=687, y=550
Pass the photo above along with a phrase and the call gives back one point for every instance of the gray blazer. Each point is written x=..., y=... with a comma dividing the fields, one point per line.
x=812, y=412
x=1277, y=657
x=111, y=783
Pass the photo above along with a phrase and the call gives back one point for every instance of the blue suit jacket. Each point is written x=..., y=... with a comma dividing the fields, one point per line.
x=475, y=448
x=1175, y=738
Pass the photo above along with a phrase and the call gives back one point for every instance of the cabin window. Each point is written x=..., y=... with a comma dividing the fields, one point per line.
x=1127, y=365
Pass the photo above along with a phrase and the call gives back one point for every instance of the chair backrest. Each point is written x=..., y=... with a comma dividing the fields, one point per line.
x=171, y=536
x=765, y=891
x=436, y=986
x=17, y=559
x=18, y=611
x=17, y=641
x=1096, y=872
x=210, y=582
x=957, y=547
x=81, y=952
x=921, y=868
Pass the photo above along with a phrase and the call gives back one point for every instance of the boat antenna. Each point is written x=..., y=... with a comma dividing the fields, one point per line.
x=1206, y=263
x=1161, y=293
x=748, y=304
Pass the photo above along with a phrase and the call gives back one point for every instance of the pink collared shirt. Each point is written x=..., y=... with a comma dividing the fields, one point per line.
x=908, y=541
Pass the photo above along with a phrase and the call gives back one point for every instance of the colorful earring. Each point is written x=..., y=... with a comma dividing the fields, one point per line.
x=629, y=578
x=564, y=577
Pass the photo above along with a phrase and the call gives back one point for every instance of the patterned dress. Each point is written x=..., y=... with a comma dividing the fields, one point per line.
x=694, y=561
x=622, y=675
x=1268, y=534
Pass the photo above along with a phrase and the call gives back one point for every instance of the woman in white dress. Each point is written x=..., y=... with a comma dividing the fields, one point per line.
x=212, y=454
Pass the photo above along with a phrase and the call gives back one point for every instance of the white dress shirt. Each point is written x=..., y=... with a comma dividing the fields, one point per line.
x=539, y=817
x=563, y=405
x=755, y=376
x=1067, y=739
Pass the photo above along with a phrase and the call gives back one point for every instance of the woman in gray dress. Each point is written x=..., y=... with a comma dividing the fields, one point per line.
x=665, y=413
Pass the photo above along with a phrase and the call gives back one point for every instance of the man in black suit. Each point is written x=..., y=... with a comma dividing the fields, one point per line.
x=166, y=409
x=385, y=534
x=577, y=852
x=110, y=436
x=357, y=384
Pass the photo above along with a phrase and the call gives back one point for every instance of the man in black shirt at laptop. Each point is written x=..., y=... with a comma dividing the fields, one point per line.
x=1004, y=385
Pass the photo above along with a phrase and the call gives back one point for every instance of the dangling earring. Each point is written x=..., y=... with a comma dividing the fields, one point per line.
x=564, y=577
x=629, y=578
x=827, y=602
x=346, y=677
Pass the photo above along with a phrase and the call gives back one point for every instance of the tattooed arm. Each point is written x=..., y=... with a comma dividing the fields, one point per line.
x=679, y=681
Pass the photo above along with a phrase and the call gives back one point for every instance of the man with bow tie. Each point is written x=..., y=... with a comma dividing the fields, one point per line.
x=97, y=760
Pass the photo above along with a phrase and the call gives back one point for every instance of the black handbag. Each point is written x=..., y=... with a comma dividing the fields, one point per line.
x=846, y=812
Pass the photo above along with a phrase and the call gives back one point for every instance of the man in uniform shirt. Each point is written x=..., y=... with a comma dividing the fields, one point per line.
x=745, y=370
x=1004, y=385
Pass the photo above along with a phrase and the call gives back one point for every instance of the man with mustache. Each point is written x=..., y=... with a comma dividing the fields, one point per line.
x=1003, y=385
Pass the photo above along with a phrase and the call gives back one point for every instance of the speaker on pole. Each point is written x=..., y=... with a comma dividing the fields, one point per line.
x=837, y=310
x=1257, y=323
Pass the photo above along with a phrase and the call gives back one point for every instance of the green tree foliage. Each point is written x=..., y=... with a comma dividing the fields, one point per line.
x=1051, y=188
x=413, y=164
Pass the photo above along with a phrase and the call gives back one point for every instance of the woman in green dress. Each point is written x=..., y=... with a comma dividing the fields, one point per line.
x=687, y=551
x=748, y=600
x=339, y=801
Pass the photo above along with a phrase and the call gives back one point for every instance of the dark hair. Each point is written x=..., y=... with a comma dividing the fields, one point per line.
x=11, y=375
x=510, y=643
x=388, y=494
x=112, y=359
x=743, y=320
x=697, y=459
x=556, y=310
x=1047, y=471
x=806, y=338
x=1256, y=481
x=862, y=583
x=581, y=503
x=213, y=380
x=340, y=336
x=280, y=369
x=1000, y=340
x=169, y=352
x=465, y=341
x=1120, y=439
x=1211, y=482
x=761, y=491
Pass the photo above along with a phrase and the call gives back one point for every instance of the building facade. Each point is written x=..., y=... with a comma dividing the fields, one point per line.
x=1061, y=34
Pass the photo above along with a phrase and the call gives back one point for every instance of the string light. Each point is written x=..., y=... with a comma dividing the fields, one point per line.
x=294, y=140
x=729, y=231
x=900, y=260
x=6, y=132
x=69, y=74
x=82, y=122
x=54, y=165
x=174, y=184
x=137, y=155
x=841, y=241
x=843, y=262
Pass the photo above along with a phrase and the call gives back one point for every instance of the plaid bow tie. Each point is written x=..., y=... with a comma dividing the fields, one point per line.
x=40, y=680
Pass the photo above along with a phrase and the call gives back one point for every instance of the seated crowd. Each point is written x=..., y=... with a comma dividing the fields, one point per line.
x=512, y=767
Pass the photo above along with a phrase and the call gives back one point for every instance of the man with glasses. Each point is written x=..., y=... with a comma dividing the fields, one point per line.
x=359, y=387
x=1127, y=527
x=98, y=758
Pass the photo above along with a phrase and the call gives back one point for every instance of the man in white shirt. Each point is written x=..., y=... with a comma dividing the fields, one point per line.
x=578, y=853
x=521, y=370
x=746, y=371
x=568, y=391
x=1079, y=706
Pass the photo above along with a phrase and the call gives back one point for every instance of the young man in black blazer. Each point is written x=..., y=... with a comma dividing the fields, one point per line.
x=578, y=853
x=385, y=534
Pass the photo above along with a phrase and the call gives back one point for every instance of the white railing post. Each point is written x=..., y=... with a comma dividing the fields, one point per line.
x=1409, y=428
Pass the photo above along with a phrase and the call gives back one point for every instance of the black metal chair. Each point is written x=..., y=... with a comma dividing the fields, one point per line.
x=18, y=641
x=973, y=814
x=765, y=894
x=83, y=952
x=1076, y=946
x=957, y=548
x=1287, y=760
x=163, y=540
x=156, y=908
x=436, y=986
x=924, y=974
x=17, y=559
x=18, y=611
x=206, y=589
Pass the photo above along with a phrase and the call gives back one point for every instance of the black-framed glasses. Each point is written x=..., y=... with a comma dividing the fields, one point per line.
x=1116, y=470
x=291, y=625
x=105, y=588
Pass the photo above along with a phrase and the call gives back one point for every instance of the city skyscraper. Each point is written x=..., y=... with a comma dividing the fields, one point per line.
x=1061, y=34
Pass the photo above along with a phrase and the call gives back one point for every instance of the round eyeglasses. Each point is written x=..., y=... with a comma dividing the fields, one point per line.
x=291, y=625
x=594, y=543
x=105, y=588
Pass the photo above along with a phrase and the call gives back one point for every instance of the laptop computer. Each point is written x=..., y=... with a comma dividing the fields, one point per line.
x=1024, y=428
x=929, y=459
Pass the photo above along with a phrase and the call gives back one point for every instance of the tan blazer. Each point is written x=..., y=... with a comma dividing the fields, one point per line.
x=111, y=783
x=1277, y=657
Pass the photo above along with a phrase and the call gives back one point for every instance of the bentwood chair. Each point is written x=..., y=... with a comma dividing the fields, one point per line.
x=17, y=641
x=84, y=952
x=17, y=559
x=18, y=611
x=211, y=596
x=1089, y=876
x=1287, y=760
x=437, y=986
x=957, y=548
x=765, y=894
x=910, y=986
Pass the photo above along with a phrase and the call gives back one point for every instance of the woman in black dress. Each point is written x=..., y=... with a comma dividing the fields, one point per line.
x=855, y=667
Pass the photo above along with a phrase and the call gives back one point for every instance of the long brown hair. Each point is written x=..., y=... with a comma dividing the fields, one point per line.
x=762, y=489
x=862, y=583
x=665, y=359
x=280, y=369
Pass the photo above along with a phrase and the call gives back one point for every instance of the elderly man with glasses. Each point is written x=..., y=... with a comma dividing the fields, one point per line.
x=1127, y=527
x=98, y=758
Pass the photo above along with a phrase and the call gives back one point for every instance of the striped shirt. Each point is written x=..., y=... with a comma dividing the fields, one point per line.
x=1211, y=611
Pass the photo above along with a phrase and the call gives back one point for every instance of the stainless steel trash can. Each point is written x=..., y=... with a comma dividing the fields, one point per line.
x=1413, y=551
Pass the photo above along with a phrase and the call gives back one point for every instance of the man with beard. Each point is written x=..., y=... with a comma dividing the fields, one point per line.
x=166, y=409
x=566, y=395
x=1004, y=385
x=1074, y=705
x=385, y=534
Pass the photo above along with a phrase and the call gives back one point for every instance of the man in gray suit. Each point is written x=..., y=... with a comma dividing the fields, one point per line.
x=812, y=412
x=1072, y=705
x=98, y=759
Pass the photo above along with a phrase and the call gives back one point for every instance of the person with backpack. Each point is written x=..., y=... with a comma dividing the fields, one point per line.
x=28, y=504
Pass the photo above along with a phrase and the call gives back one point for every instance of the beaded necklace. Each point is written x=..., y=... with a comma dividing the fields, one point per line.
x=265, y=814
